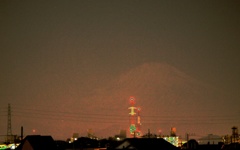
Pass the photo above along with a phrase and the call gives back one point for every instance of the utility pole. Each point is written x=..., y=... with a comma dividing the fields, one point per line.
x=9, y=125
x=187, y=137
x=149, y=133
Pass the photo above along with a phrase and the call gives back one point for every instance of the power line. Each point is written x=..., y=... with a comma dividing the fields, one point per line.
x=115, y=115
x=109, y=118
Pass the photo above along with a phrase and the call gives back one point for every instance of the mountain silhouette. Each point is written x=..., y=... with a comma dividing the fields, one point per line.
x=167, y=97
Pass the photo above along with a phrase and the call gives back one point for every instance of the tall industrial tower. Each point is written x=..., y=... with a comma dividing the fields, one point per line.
x=9, y=125
x=138, y=130
x=134, y=117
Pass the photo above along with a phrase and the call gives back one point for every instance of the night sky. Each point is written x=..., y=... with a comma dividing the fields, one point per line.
x=69, y=66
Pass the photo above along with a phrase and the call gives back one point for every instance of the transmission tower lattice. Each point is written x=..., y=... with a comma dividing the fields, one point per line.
x=9, y=124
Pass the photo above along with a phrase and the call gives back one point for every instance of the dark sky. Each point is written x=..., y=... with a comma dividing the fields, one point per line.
x=59, y=57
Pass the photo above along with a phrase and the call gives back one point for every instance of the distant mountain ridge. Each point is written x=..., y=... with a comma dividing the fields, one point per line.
x=160, y=90
x=153, y=82
x=167, y=96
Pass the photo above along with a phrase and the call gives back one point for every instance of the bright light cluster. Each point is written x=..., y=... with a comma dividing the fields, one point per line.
x=172, y=139
x=9, y=146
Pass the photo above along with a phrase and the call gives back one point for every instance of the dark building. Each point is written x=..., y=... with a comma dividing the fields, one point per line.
x=144, y=144
x=37, y=142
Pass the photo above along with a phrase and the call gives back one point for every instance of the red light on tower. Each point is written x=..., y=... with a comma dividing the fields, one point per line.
x=132, y=100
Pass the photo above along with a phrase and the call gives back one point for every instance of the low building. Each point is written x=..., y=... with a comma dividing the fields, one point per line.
x=37, y=142
x=144, y=144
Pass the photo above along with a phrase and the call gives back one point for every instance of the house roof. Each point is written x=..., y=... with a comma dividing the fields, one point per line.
x=146, y=143
x=38, y=142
